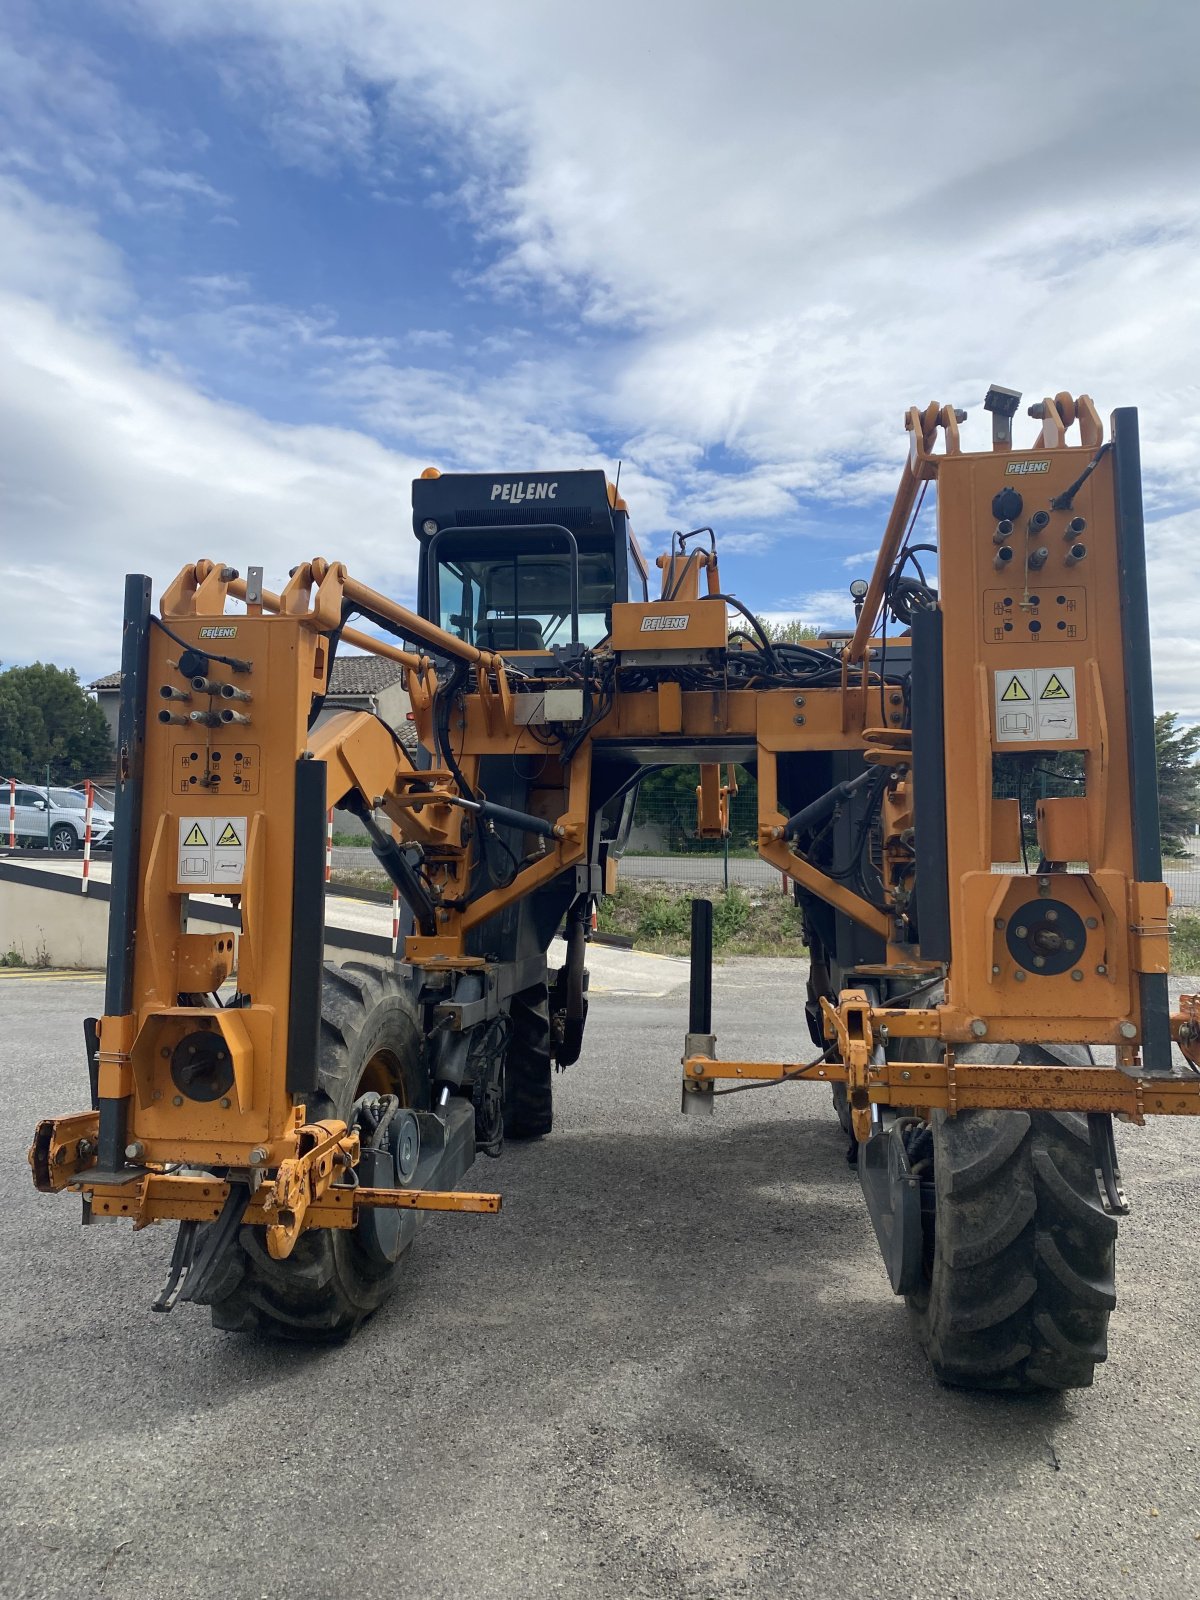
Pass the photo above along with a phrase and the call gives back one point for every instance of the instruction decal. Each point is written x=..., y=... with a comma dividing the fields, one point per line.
x=212, y=850
x=1036, y=705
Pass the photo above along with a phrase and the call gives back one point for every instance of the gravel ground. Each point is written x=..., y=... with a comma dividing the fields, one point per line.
x=671, y=1367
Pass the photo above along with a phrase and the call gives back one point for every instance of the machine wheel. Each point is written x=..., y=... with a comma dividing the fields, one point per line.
x=1019, y=1252
x=841, y=1105
x=370, y=1041
x=62, y=838
x=528, y=1091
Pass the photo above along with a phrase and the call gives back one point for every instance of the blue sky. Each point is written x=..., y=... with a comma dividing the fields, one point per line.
x=262, y=260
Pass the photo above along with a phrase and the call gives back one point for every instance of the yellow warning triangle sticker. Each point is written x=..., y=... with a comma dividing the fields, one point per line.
x=1017, y=691
x=228, y=835
x=195, y=837
x=1054, y=690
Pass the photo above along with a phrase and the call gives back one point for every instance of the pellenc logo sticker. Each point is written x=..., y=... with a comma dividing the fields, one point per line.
x=214, y=632
x=664, y=624
x=1025, y=469
x=517, y=493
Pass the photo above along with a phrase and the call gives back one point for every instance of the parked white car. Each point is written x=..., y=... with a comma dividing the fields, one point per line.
x=55, y=818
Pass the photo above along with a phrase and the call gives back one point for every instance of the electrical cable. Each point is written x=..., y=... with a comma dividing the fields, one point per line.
x=233, y=662
x=788, y=1077
x=1065, y=500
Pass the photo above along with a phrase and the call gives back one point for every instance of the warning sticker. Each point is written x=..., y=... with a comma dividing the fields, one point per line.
x=1036, y=705
x=212, y=850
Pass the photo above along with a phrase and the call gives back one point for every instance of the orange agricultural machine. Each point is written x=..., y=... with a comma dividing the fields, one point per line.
x=292, y=1116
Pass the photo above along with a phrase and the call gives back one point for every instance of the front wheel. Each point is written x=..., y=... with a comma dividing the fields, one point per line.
x=528, y=1072
x=333, y=1279
x=1019, y=1275
x=62, y=838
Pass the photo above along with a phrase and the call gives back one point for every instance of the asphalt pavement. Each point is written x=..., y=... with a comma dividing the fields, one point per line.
x=671, y=1367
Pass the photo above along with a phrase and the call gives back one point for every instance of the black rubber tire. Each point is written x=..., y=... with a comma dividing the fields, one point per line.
x=370, y=1039
x=841, y=1106
x=528, y=1073
x=1020, y=1269
x=63, y=838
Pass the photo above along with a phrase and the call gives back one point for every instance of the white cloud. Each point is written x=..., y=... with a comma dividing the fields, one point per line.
x=220, y=284
x=111, y=465
x=752, y=239
x=169, y=180
x=429, y=338
x=803, y=236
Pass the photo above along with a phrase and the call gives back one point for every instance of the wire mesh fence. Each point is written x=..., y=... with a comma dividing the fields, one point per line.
x=663, y=847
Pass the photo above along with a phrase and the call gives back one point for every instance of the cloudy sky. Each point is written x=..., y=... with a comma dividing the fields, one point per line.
x=262, y=260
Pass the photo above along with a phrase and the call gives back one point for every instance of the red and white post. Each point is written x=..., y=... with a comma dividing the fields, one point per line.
x=395, y=919
x=87, y=835
x=12, y=813
x=329, y=845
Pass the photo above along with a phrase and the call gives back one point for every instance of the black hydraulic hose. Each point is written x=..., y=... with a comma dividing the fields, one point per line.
x=817, y=810
x=398, y=868
x=445, y=699
x=491, y=812
x=1065, y=500
x=768, y=647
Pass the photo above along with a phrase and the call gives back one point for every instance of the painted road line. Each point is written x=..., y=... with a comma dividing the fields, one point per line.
x=52, y=975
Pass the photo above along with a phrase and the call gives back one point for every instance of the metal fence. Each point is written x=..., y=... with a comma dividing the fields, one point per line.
x=663, y=848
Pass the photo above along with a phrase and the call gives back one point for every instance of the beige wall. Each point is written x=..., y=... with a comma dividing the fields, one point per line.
x=52, y=929
x=72, y=929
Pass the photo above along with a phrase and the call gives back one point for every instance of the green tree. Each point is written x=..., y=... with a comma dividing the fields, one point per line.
x=793, y=631
x=48, y=720
x=1178, y=780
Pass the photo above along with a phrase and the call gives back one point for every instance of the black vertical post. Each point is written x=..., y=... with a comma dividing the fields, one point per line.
x=127, y=836
x=1139, y=708
x=929, y=787
x=700, y=986
x=308, y=928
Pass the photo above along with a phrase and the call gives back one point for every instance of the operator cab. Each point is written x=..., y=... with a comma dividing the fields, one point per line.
x=524, y=564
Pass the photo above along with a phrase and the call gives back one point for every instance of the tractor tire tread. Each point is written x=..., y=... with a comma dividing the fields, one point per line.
x=1023, y=1268
x=328, y=1286
x=528, y=1070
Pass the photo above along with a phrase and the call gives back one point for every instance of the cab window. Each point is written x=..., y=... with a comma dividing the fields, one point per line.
x=522, y=600
x=637, y=583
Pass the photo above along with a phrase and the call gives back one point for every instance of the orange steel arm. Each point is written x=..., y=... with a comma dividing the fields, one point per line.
x=413, y=625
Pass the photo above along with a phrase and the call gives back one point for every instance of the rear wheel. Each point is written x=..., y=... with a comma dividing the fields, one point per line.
x=528, y=1074
x=370, y=1044
x=1019, y=1252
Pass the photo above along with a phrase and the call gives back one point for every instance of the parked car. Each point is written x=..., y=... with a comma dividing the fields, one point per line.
x=55, y=817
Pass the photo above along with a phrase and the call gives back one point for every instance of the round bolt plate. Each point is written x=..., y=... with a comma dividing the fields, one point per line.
x=201, y=1066
x=1045, y=937
x=404, y=1136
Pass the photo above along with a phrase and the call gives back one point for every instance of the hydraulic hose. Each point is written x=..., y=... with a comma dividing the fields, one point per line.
x=817, y=810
